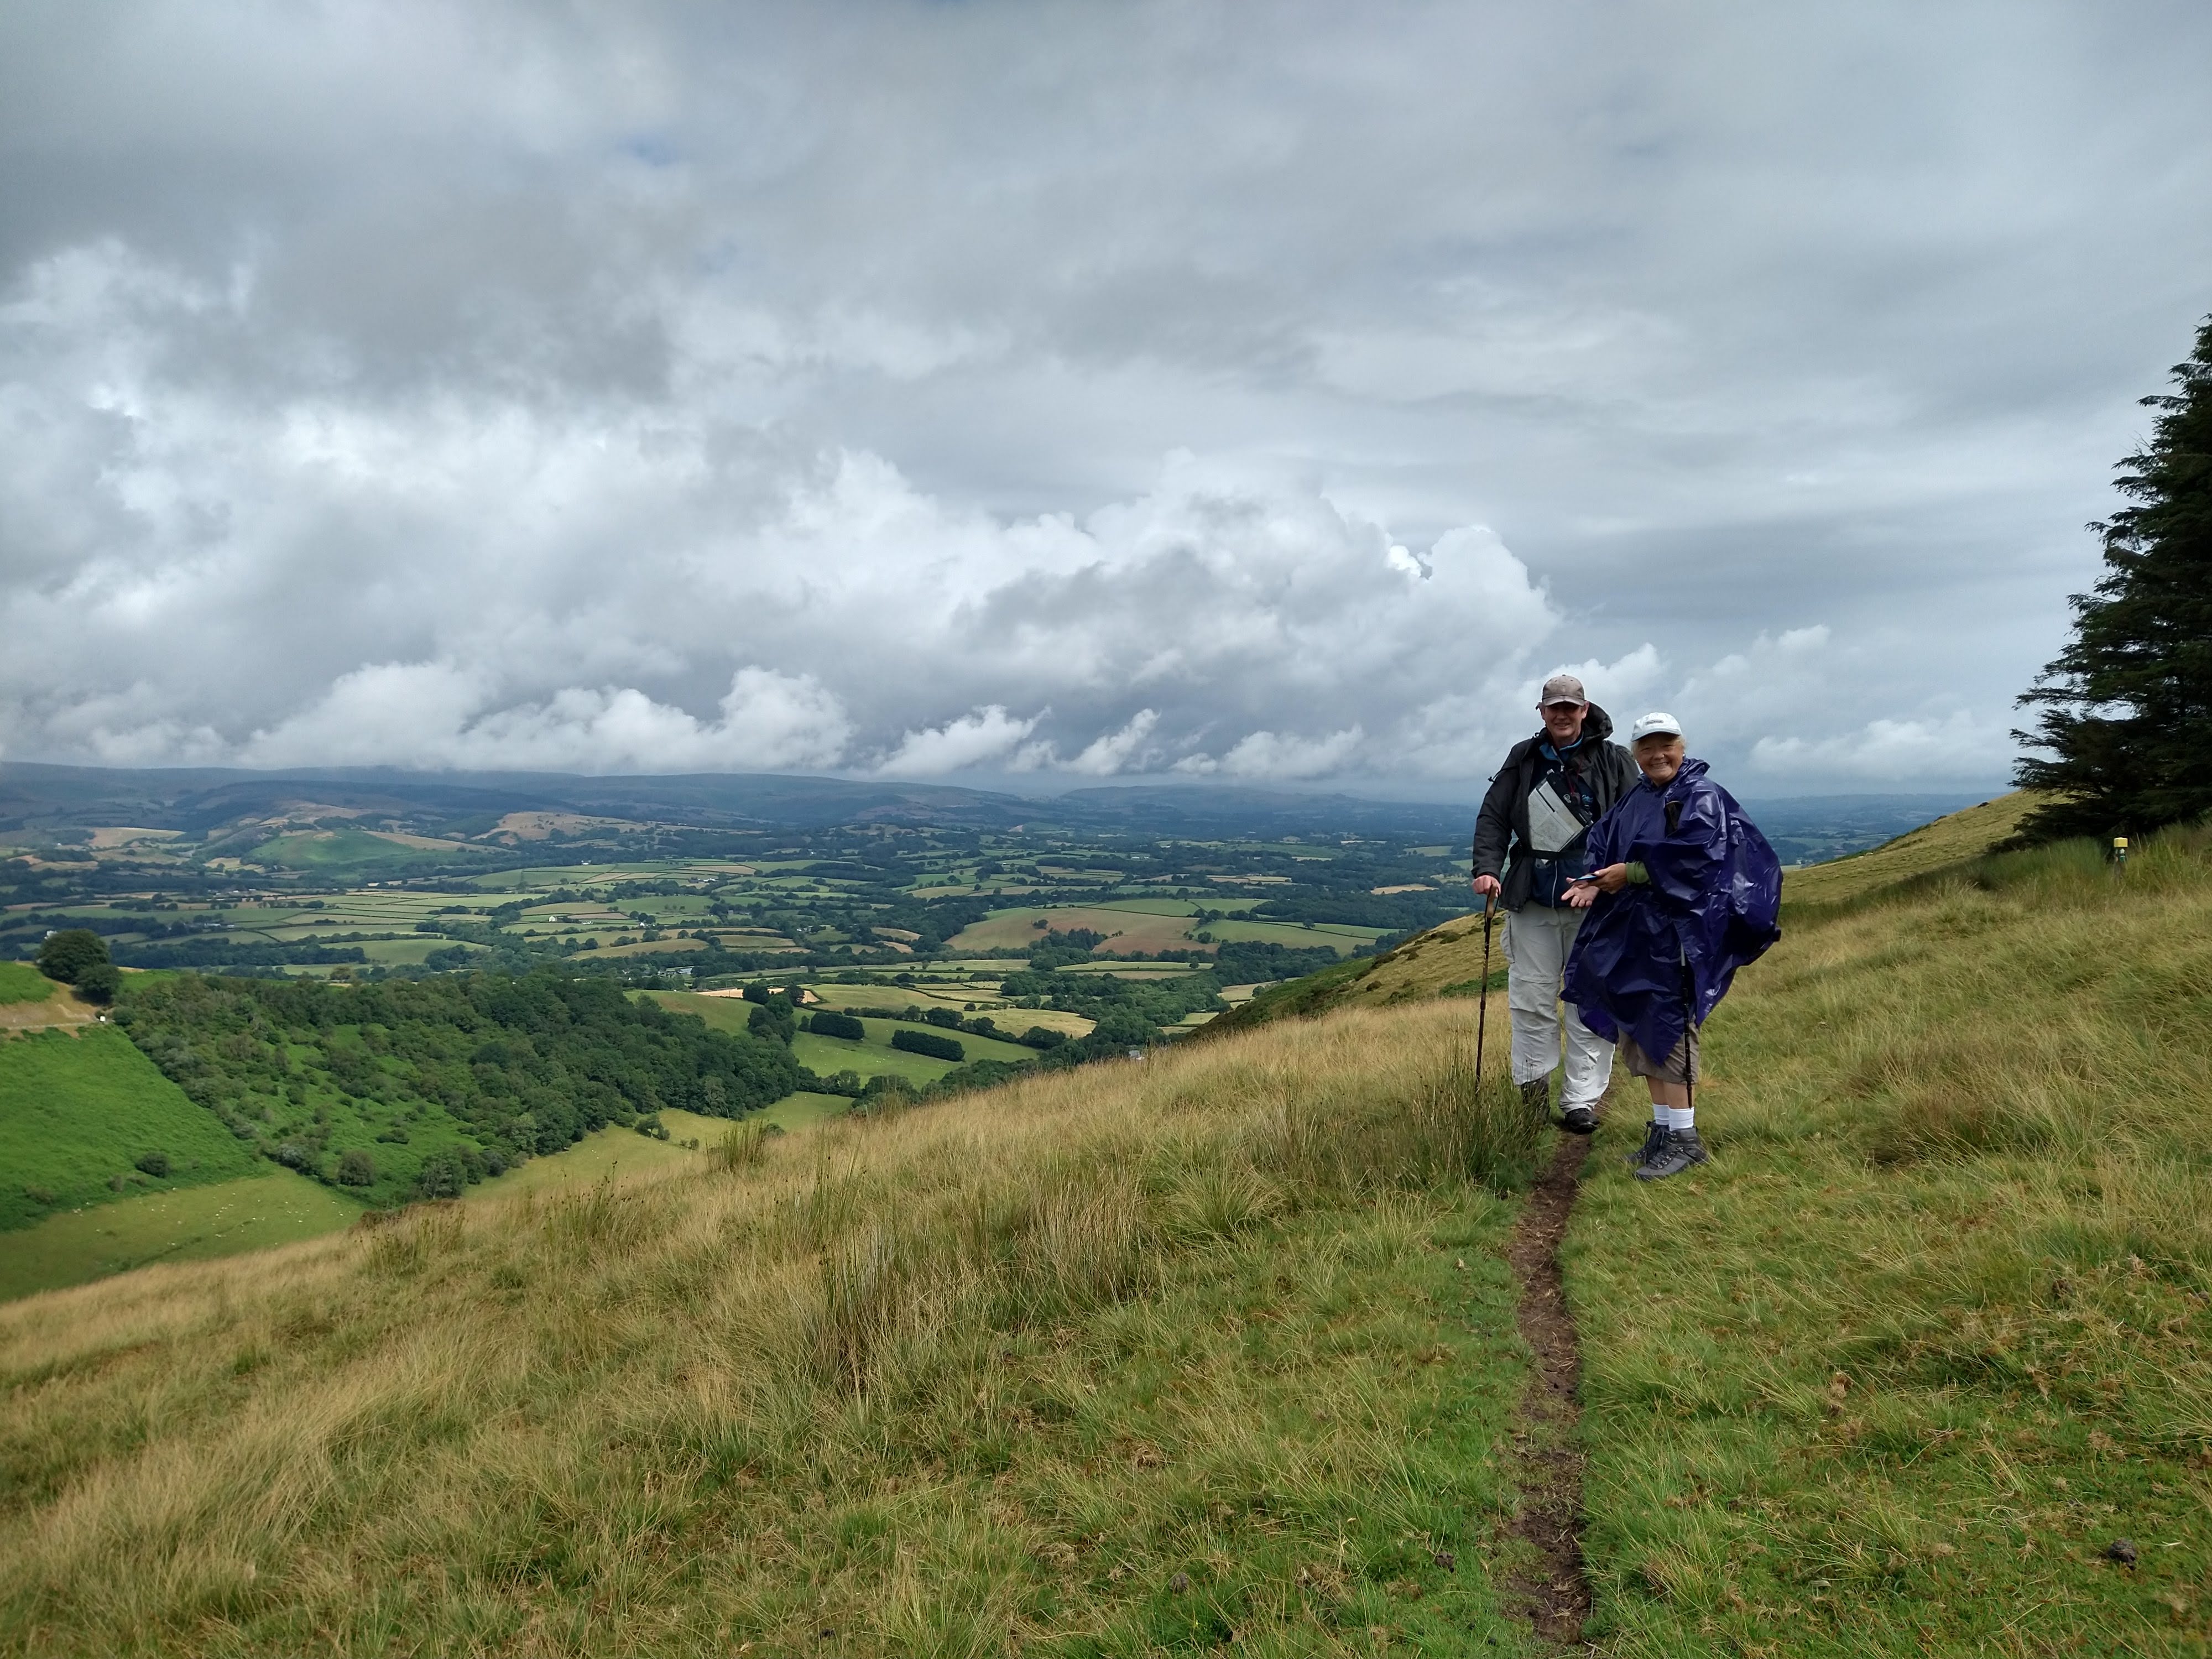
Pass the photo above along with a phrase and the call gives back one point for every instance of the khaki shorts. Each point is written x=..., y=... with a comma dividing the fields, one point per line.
x=1681, y=1067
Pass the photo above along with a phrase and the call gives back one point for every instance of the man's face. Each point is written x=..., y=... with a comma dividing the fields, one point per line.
x=1660, y=757
x=1563, y=722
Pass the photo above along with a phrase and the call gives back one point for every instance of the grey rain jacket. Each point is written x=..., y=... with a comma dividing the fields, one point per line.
x=1501, y=829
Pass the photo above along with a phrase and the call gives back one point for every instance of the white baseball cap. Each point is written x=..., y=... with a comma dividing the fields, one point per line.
x=1657, y=723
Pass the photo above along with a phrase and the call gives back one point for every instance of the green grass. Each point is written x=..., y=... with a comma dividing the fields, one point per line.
x=337, y=855
x=1934, y=1327
x=191, y=1223
x=1120, y=1363
x=76, y=1112
x=873, y=1057
x=1952, y=839
x=21, y=982
x=801, y=1111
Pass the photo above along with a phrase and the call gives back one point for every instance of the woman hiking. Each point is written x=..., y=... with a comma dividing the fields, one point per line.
x=1683, y=892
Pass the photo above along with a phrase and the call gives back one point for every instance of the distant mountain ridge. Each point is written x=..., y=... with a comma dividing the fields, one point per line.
x=38, y=797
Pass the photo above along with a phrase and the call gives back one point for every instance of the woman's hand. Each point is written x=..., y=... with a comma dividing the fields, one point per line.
x=1611, y=879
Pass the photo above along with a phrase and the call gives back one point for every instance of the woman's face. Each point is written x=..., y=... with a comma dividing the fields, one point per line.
x=1660, y=757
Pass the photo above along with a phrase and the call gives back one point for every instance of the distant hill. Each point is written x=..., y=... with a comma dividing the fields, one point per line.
x=51, y=800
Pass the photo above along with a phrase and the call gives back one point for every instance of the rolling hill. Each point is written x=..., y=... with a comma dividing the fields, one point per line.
x=1221, y=1348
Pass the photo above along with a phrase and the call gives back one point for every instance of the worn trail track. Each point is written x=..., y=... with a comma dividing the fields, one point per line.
x=1554, y=1592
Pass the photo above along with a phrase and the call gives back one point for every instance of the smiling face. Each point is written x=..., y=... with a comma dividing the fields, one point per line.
x=1563, y=722
x=1660, y=757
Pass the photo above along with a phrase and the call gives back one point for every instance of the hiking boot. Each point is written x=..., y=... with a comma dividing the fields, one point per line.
x=1578, y=1121
x=1537, y=1097
x=1655, y=1137
x=1681, y=1150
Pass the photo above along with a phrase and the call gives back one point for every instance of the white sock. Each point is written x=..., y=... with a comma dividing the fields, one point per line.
x=1658, y=1114
x=1680, y=1117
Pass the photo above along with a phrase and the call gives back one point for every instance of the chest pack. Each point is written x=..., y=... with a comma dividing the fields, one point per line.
x=1556, y=822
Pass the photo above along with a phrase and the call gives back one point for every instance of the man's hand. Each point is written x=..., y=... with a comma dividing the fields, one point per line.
x=1611, y=879
x=1488, y=887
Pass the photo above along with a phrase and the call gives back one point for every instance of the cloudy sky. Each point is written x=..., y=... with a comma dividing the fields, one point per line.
x=1044, y=393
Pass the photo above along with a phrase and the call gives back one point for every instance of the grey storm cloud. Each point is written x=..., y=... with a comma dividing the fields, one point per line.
x=1071, y=391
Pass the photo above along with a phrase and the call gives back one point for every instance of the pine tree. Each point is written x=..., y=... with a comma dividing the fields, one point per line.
x=2127, y=706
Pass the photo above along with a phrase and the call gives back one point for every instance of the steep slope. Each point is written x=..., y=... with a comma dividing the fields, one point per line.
x=1947, y=841
x=1124, y=1360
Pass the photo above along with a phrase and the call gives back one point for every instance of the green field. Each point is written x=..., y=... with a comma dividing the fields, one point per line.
x=76, y=1113
x=21, y=982
x=873, y=1057
x=343, y=853
x=801, y=1111
x=248, y=1212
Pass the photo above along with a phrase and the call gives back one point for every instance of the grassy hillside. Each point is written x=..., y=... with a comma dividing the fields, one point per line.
x=250, y=1212
x=1448, y=960
x=1947, y=841
x=1935, y=1327
x=21, y=982
x=1140, y=1358
x=77, y=1113
x=1134, y=1358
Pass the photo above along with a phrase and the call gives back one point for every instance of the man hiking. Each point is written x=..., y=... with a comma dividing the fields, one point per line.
x=1530, y=847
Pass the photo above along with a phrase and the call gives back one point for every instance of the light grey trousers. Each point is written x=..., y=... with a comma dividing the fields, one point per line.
x=1537, y=940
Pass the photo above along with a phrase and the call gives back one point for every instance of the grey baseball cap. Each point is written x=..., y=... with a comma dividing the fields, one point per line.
x=1562, y=688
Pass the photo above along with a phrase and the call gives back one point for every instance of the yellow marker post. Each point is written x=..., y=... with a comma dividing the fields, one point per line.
x=2120, y=852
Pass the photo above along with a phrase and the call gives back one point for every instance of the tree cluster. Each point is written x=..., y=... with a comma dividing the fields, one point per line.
x=438, y=1080
x=2126, y=720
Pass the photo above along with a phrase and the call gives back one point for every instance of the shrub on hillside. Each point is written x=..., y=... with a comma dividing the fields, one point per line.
x=100, y=983
x=356, y=1168
x=929, y=1043
x=837, y=1025
x=69, y=952
x=155, y=1164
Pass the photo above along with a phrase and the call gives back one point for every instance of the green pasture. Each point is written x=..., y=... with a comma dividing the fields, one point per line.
x=21, y=982
x=340, y=852
x=1339, y=936
x=871, y=1057
x=800, y=1111
x=605, y=1154
x=77, y=1112
x=192, y=1223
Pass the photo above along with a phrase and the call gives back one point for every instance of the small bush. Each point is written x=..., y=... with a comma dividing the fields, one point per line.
x=155, y=1164
x=356, y=1168
x=929, y=1043
x=100, y=983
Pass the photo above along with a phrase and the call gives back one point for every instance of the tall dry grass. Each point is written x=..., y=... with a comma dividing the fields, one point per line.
x=939, y=1383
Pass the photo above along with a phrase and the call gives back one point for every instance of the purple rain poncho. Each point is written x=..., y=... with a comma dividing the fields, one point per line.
x=1714, y=894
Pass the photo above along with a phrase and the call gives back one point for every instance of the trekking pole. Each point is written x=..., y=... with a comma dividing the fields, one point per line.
x=1482, y=1005
x=1689, y=1040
